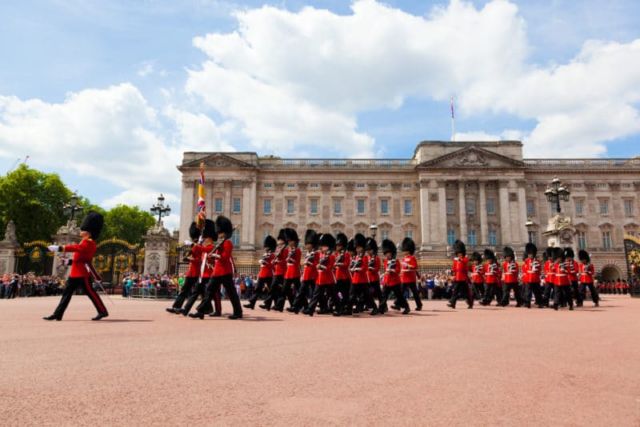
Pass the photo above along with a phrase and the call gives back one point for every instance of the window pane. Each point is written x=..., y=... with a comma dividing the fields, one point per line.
x=470, y=206
x=604, y=207
x=236, y=205
x=290, y=206
x=450, y=207
x=314, y=206
x=337, y=206
x=530, y=208
x=266, y=207
x=235, y=237
x=493, y=238
x=360, y=206
x=218, y=205
x=385, y=234
x=471, y=237
x=408, y=207
x=451, y=236
x=384, y=206
x=579, y=207
x=491, y=206
x=628, y=207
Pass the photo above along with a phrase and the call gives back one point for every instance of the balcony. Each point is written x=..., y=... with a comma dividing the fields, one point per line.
x=344, y=164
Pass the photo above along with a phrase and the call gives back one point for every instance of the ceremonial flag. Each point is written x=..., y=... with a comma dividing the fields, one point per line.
x=453, y=122
x=202, y=206
x=453, y=116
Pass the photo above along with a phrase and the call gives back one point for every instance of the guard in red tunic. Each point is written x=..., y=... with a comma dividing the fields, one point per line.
x=204, y=266
x=265, y=275
x=373, y=269
x=391, y=279
x=562, y=281
x=460, y=276
x=409, y=270
x=309, y=272
x=192, y=274
x=531, y=269
x=510, y=271
x=292, y=273
x=341, y=271
x=325, y=281
x=491, y=273
x=360, y=295
x=547, y=276
x=279, y=269
x=81, y=268
x=572, y=266
x=477, y=275
x=586, y=273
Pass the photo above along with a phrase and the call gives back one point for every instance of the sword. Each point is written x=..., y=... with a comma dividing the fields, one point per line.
x=97, y=279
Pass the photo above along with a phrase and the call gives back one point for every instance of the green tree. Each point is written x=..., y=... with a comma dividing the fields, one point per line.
x=129, y=223
x=34, y=200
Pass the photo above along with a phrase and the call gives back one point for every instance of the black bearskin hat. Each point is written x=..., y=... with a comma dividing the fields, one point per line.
x=530, y=248
x=328, y=240
x=282, y=235
x=209, y=230
x=548, y=253
x=508, y=252
x=311, y=238
x=341, y=239
x=351, y=246
x=568, y=253
x=558, y=253
x=371, y=245
x=359, y=240
x=489, y=255
x=291, y=235
x=224, y=225
x=408, y=245
x=194, y=232
x=389, y=246
x=476, y=257
x=93, y=223
x=584, y=256
x=269, y=243
x=459, y=248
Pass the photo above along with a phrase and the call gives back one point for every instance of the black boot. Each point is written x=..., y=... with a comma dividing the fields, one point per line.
x=100, y=316
x=197, y=315
x=249, y=305
x=53, y=317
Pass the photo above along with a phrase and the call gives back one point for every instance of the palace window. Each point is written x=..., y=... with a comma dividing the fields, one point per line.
x=533, y=237
x=470, y=206
x=408, y=207
x=628, y=207
x=266, y=206
x=407, y=186
x=471, y=238
x=579, y=206
x=384, y=207
x=218, y=205
x=236, y=205
x=291, y=186
x=491, y=206
x=360, y=185
x=314, y=185
x=493, y=237
x=606, y=240
x=313, y=206
x=531, y=208
x=409, y=234
x=582, y=240
x=267, y=232
x=235, y=237
x=384, y=234
x=451, y=236
x=450, y=207
x=604, y=206
x=291, y=206
x=360, y=204
x=337, y=206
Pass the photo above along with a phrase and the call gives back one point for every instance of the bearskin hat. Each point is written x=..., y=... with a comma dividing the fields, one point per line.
x=508, y=252
x=530, y=248
x=311, y=238
x=489, y=255
x=291, y=235
x=224, y=225
x=209, y=230
x=584, y=256
x=359, y=240
x=476, y=257
x=194, y=232
x=351, y=246
x=93, y=224
x=408, y=245
x=341, y=239
x=282, y=235
x=371, y=245
x=326, y=239
x=548, y=253
x=558, y=253
x=459, y=247
x=568, y=253
x=269, y=243
x=389, y=246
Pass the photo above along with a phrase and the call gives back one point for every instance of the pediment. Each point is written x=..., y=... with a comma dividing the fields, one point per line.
x=219, y=160
x=337, y=225
x=290, y=225
x=471, y=158
x=314, y=226
x=361, y=225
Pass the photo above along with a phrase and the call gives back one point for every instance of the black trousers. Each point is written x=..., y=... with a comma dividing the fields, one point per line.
x=213, y=289
x=289, y=292
x=577, y=294
x=562, y=295
x=263, y=283
x=211, y=293
x=398, y=293
x=414, y=291
x=186, y=290
x=360, y=296
x=592, y=289
x=529, y=289
x=301, y=300
x=341, y=294
x=547, y=293
x=461, y=289
x=321, y=294
x=374, y=289
x=506, y=294
x=197, y=290
x=74, y=283
x=275, y=292
x=478, y=291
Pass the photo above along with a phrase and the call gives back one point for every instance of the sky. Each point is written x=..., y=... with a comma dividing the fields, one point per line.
x=109, y=94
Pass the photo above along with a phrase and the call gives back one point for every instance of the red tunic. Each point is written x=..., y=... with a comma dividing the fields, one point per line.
x=280, y=264
x=266, y=266
x=586, y=272
x=491, y=272
x=359, y=274
x=194, y=265
x=325, y=267
x=373, y=269
x=342, y=262
x=82, y=255
x=199, y=252
x=224, y=264
x=510, y=272
x=293, y=264
x=408, y=273
x=531, y=271
x=548, y=272
x=572, y=269
x=460, y=269
x=391, y=273
x=561, y=274
x=477, y=274
x=310, y=269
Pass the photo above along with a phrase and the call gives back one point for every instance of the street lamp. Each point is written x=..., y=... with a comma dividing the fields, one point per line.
x=556, y=192
x=529, y=224
x=72, y=207
x=160, y=209
x=374, y=229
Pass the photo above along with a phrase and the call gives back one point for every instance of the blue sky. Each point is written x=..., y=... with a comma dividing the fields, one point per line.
x=131, y=74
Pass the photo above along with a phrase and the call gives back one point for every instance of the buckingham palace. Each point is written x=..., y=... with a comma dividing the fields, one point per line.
x=484, y=193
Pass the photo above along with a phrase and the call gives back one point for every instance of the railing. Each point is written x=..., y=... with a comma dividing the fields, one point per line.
x=152, y=292
x=584, y=163
x=337, y=163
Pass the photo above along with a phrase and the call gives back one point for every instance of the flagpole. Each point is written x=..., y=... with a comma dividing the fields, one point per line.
x=453, y=122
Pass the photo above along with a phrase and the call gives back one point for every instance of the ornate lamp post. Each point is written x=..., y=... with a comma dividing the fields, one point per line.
x=72, y=207
x=374, y=229
x=160, y=209
x=556, y=192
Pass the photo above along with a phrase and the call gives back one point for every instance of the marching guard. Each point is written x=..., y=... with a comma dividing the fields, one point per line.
x=309, y=272
x=409, y=270
x=192, y=274
x=477, y=276
x=204, y=269
x=460, y=276
x=586, y=272
x=325, y=282
x=265, y=275
x=510, y=278
x=491, y=273
x=391, y=279
x=292, y=273
x=279, y=269
x=531, y=269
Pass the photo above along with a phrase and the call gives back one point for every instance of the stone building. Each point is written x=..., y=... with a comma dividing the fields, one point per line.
x=481, y=192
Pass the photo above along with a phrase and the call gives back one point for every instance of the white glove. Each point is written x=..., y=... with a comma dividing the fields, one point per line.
x=68, y=262
x=54, y=248
x=188, y=242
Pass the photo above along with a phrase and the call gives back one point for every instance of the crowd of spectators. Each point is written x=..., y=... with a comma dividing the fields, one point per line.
x=29, y=285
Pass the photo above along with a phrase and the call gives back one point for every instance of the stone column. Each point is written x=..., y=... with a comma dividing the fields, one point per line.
x=484, y=229
x=442, y=205
x=68, y=234
x=303, y=210
x=8, y=248
x=425, y=215
x=187, y=207
x=228, y=188
x=157, y=243
x=245, y=235
x=522, y=205
x=349, y=208
x=505, y=217
x=462, y=201
x=253, y=202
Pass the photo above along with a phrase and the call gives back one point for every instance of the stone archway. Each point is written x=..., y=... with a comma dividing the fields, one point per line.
x=610, y=273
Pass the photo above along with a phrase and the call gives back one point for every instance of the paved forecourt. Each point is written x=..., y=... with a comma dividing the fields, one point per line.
x=486, y=366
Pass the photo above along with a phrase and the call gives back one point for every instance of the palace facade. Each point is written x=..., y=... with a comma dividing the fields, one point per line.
x=481, y=192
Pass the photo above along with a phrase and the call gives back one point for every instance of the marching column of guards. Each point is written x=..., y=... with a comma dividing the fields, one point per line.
x=341, y=276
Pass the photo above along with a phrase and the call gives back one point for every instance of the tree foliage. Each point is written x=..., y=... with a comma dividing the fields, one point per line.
x=129, y=223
